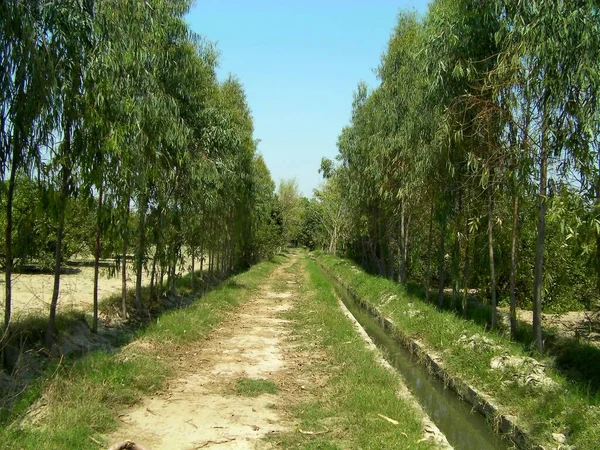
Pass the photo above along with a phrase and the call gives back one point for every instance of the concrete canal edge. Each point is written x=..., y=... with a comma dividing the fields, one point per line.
x=503, y=423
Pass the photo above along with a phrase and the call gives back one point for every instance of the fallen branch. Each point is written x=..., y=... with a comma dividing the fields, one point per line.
x=220, y=441
x=313, y=433
x=392, y=421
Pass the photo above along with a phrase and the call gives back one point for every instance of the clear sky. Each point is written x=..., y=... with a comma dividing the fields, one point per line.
x=299, y=62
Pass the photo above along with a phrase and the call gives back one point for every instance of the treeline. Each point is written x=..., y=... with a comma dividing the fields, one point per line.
x=118, y=139
x=476, y=161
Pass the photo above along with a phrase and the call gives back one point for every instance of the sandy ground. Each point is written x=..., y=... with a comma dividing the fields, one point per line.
x=200, y=408
x=32, y=293
x=580, y=325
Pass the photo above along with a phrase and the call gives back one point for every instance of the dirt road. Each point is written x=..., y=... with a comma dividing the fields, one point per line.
x=201, y=407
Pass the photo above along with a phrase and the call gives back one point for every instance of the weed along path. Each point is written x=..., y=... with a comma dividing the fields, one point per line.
x=287, y=369
x=224, y=394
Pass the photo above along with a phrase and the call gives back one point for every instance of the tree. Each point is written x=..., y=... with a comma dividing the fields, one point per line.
x=289, y=198
x=484, y=116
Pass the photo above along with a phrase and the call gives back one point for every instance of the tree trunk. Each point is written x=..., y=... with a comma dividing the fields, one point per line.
x=589, y=305
x=382, y=250
x=391, y=257
x=97, y=257
x=363, y=252
x=8, y=240
x=429, y=245
x=491, y=255
x=455, y=270
x=441, y=267
x=405, y=256
x=64, y=192
x=465, y=298
x=193, y=274
x=513, y=268
x=401, y=247
x=334, y=239
x=373, y=264
x=224, y=258
x=141, y=249
x=538, y=270
x=153, y=275
x=202, y=259
x=162, y=276
x=124, y=262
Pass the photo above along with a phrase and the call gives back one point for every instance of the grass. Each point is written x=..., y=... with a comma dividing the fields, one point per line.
x=573, y=409
x=253, y=388
x=84, y=397
x=343, y=413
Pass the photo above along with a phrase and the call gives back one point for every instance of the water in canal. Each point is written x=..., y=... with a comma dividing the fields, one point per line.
x=464, y=427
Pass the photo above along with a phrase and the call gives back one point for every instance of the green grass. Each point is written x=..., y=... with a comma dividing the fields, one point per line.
x=253, y=388
x=344, y=412
x=84, y=397
x=573, y=409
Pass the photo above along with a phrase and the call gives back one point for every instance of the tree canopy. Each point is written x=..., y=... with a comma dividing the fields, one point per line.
x=477, y=155
x=117, y=139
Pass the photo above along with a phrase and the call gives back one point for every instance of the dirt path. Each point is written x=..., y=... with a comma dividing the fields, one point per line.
x=201, y=408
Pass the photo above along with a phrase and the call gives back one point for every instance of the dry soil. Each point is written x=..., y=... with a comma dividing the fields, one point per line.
x=201, y=408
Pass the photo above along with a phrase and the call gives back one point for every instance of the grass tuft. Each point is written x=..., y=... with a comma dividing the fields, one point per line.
x=253, y=388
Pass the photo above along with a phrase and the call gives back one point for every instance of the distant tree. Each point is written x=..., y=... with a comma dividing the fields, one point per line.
x=290, y=203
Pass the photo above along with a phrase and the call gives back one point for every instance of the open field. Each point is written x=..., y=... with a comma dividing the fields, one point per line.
x=32, y=293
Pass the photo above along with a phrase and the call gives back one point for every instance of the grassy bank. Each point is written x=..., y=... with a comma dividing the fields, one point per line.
x=353, y=388
x=74, y=403
x=545, y=400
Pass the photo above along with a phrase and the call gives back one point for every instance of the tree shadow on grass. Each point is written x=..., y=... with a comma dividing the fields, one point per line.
x=39, y=270
x=577, y=360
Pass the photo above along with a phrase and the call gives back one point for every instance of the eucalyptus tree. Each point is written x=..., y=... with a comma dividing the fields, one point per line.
x=333, y=210
x=462, y=52
x=241, y=164
x=142, y=128
x=26, y=85
x=104, y=125
x=267, y=228
x=70, y=30
x=288, y=194
x=405, y=126
x=560, y=82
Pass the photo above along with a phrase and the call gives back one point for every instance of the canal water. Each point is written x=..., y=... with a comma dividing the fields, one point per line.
x=464, y=427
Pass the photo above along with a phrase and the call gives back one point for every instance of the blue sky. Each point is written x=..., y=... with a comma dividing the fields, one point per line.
x=299, y=62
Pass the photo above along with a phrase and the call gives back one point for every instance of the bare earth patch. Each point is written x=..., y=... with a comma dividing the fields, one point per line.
x=584, y=325
x=31, y=293
x=200, y=408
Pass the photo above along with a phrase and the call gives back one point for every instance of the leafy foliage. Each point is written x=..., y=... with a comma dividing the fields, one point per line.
x=478, y=154
x=117, y=138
